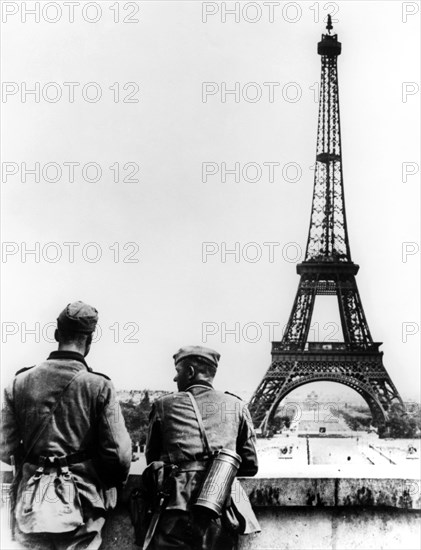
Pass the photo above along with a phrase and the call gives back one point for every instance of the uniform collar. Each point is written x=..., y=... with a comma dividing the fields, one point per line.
x=202, y=383
x=73, y=355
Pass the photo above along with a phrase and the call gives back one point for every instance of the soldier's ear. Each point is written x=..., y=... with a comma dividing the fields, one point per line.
x=191, y=372
x=56, y=338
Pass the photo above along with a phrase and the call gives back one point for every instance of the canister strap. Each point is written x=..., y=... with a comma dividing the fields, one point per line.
x=203, y=435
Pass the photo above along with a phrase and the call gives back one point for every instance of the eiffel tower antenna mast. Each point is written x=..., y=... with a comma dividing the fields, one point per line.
x=327, y=269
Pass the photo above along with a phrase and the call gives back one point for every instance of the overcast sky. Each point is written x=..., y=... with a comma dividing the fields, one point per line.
x=146, y=271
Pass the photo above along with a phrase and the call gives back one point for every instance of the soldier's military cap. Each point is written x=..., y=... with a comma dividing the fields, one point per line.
x=208, y=355
x=78, y=317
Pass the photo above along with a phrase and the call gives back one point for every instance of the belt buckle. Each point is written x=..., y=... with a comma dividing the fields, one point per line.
x=64, y=466
x=58, y=462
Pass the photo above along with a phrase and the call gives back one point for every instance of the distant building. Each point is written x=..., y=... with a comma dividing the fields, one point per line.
x=311, y=401
x=136, y=396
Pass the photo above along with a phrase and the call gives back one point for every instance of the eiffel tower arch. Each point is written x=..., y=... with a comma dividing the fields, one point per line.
x=289, y=371
x=327, y=269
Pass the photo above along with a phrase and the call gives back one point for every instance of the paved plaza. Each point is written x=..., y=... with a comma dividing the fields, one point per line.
x=318, y=445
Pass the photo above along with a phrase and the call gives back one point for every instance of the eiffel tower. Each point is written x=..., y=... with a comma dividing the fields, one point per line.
x=327, y=270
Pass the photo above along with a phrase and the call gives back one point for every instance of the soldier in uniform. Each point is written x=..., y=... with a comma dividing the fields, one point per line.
x=174, y=438
x=86, y=428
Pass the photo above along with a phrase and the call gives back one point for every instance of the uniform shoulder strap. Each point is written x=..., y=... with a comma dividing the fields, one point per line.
x=233, y=394
x=24, y=370
x=100, y=374
x=201, y=425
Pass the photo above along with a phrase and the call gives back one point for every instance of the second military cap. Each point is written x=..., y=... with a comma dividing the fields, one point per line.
x=78, y=317
x=210, y=356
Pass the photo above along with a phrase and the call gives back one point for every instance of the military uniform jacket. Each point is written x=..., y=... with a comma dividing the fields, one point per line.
x=174, y=436
x=87, y=419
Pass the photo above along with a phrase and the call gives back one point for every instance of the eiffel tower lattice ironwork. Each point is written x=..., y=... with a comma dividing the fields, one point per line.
x=327, y=270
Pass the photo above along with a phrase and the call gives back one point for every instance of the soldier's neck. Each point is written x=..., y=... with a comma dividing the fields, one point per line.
x=72, y=347
x=201, y=382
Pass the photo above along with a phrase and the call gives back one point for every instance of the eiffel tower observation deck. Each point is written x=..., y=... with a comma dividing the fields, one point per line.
x=327, y=269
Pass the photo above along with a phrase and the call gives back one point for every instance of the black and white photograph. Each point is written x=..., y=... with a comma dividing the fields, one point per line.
x=210, y=275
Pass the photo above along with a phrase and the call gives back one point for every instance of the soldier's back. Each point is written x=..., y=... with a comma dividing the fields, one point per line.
x=181, y=441
x=36, y=390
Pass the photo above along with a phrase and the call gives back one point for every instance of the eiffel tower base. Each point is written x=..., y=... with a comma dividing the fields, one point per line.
x=361, y=370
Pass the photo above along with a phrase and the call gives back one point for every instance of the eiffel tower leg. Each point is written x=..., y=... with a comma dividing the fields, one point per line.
x=354, y=323
x=298, y=326
x=295, y=337
x=389, y=398
x=265, y=395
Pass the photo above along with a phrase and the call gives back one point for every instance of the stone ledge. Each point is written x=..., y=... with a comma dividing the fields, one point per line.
x=316, y=491
x=309, y=528
x=294, y=513
x=377, y=492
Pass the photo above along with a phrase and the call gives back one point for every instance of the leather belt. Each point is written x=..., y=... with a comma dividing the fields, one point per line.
x=193, y=466
x=68, y=460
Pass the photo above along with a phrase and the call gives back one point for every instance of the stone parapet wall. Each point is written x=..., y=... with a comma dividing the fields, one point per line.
x=331, y=491
x=307, y=513
x=307, y=528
